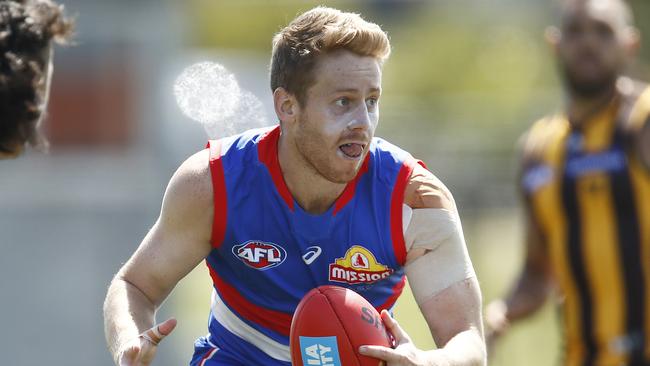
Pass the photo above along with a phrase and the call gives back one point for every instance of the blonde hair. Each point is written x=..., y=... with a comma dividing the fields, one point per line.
x=297, y=47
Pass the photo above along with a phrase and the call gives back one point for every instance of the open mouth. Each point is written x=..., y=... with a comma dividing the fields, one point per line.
x=352, y=150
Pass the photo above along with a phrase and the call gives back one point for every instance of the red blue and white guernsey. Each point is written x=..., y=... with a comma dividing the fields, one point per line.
x=268, y=252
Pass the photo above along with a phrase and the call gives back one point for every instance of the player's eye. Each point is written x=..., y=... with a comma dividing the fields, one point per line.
x=573, y=31
x=371, y=103
x=342, y=102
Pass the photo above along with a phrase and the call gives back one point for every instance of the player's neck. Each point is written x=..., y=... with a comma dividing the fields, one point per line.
x=580, y=110
x=312, y=191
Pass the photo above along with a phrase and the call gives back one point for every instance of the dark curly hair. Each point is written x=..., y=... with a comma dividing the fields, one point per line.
x=27, y=30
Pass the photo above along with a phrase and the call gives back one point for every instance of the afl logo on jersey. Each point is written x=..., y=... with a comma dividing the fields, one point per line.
x=260, y=255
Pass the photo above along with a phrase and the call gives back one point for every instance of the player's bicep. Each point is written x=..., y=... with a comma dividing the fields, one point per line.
x=436, y=252
x=536, y=259
x=454, y=310
x=437, y=255
x=425, y=190
x=536, y=256
x=180, y=238
x=644, y=144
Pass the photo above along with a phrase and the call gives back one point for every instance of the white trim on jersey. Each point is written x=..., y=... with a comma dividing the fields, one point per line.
x=210, y=355
x=241, y=329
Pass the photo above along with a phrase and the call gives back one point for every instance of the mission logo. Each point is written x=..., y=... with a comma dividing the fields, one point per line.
x=358, y=266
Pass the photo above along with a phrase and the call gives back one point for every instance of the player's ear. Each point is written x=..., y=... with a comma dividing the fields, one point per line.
x=552, y=35
x=632, y=41
x=285, y=104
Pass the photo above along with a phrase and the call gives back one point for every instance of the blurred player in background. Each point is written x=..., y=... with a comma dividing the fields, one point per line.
x=27, y=30
x=586, y=184
x=316, y=200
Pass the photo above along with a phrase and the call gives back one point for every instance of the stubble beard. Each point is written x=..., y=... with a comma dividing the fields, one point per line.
x=588, y=89
x=316, y=157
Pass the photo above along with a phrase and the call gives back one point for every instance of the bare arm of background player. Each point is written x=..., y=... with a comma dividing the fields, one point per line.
x=534, y=284
x=530, y=291
x=176, y=244
x=452, y=314
x=644, y=143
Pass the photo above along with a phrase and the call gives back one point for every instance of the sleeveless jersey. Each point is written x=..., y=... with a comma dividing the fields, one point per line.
x=268, y=252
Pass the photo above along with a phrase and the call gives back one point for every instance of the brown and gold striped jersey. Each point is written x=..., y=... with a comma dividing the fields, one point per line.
x=588, y=193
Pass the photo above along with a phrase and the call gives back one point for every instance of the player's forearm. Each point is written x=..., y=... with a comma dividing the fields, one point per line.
x=467, y=348
x=528, y=296
x=127, y=313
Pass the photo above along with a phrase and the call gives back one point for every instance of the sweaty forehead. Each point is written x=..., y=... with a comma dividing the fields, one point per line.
x=614, y=13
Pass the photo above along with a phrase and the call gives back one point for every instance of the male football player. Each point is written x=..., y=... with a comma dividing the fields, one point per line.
x=586, y=182
x=315, y=200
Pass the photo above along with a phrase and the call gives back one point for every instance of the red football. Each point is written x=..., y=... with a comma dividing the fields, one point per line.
x=330, y=324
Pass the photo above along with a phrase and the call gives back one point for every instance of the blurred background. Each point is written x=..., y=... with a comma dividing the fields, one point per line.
x=465, y=80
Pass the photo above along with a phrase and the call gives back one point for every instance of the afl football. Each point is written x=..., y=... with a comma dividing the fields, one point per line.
x=329, y=326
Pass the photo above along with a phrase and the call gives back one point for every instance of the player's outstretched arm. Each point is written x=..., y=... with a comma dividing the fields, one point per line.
x=442, y=279
x=530, y=291
x=176, y=243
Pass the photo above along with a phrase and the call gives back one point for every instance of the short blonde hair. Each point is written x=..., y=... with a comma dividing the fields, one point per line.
x=297, y=47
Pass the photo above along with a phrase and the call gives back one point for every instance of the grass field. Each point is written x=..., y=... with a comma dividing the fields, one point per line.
x=493, y=239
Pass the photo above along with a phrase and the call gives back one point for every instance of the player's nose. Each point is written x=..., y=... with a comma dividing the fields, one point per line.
x=362, y=120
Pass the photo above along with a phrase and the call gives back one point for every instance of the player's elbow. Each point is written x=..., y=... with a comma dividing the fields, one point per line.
x=116, y=290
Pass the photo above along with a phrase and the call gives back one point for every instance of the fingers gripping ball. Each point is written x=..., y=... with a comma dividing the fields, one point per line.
x=330, y=324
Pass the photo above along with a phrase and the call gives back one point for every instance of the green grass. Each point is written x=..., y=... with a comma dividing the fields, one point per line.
x=494, y=241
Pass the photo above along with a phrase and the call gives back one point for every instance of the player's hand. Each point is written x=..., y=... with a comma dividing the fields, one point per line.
x=141, y=351
x=404, y=354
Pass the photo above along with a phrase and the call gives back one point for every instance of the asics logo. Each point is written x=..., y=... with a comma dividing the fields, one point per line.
x=312, y=253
